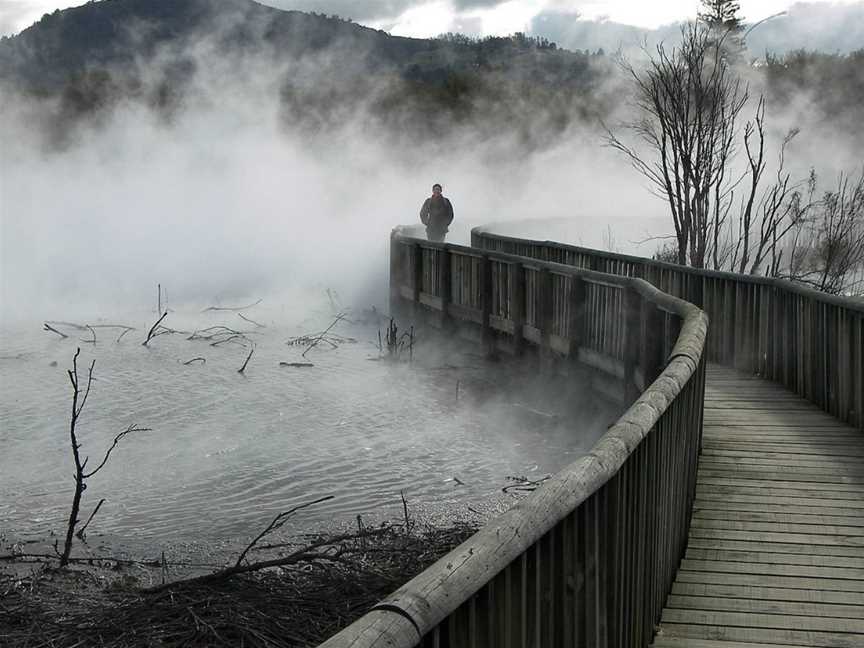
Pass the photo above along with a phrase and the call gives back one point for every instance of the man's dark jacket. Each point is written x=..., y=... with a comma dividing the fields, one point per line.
x=436, y=214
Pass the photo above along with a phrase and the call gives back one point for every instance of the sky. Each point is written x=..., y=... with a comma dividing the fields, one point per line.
x=426, y=18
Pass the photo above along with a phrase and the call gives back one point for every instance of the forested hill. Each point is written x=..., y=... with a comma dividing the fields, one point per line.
x=112, y=33
x=156, y=51
x=324, y=69
x=115, y=34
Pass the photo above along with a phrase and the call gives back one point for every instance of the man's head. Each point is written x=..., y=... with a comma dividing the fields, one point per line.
x=436, y=189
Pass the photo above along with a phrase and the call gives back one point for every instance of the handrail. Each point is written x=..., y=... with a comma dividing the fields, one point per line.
x=480, y=236
x=588, y=558
x=810, y=342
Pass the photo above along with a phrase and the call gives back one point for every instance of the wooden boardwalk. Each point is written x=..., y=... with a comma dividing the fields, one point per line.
x=776, y=551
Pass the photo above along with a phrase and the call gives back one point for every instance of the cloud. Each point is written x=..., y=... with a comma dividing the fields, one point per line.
x=15, y=15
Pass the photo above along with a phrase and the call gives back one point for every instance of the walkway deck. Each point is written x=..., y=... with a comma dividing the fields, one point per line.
x=776, y=551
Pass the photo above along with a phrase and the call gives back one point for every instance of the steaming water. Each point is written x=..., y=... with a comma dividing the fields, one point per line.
x=228, y=451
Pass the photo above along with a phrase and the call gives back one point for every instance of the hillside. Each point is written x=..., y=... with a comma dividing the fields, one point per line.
x=158, y=51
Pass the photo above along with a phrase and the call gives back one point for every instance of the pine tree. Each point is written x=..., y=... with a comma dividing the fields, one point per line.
x=725, y=25
x=722, y=15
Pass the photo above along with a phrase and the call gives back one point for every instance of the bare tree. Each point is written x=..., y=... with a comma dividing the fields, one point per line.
x=690, y=102
x=826, y=249
x=765, y=216
x=79, y=399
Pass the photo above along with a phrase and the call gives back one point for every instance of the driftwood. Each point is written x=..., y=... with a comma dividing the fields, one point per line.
x=315, y=342
x=47, y=327
x=198, y=359
x=296, y=364
x=151, y=332
x=243, y=368
x=92, y=340
x=226, y=308
x=251, y=321
x=52, y=325
x=522, y=483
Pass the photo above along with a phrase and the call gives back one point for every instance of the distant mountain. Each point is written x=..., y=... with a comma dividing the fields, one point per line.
x=823, y=26
x=117, y=33
x=156, y=51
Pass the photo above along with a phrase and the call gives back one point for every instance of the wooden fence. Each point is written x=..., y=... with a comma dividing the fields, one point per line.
x=808, y=341
x=588, y=559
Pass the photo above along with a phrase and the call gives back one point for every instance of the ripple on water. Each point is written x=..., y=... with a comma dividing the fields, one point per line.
x=227, y=451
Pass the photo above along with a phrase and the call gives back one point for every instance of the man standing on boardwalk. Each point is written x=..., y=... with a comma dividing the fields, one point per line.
x=436, y=214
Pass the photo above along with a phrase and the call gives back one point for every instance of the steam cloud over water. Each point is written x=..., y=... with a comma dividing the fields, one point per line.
x=240, y=189
x=227, y=197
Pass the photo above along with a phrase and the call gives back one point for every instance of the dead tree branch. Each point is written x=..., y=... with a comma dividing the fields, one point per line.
x=153, y=329
x=80, y=533
x=79, y=400
x=315, y=342
x=251, y=321
x=47, y=327
x=277, y=522
x=226, y=308
x=248, y=357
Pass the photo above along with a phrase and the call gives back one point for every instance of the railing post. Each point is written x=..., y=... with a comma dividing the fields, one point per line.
x=652, y=357
x=416, y=279
x=486, y=301
x=446, y=287
x=517, y=306
x=396, y=266
x=576, y=320
x=632, y=321
x=545, y=312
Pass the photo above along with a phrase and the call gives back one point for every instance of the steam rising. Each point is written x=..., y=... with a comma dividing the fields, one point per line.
x=227, y=196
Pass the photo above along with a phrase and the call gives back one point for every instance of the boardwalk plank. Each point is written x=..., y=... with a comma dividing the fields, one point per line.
x=814, y=472
x=763, y=606
x=720, y=590
x=697, y=553
x=779, y=484
x=770, y=635
x=784, y=502
x=781, y=527
x=674, y=642
x=770, y=506
x=775, y=556
x=756, y=620
x=782, y=518
x=810, y=571
x=786, y=538
x=775, y=546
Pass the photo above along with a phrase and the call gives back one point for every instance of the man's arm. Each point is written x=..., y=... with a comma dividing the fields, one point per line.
x=449, y=211
x=424, y=212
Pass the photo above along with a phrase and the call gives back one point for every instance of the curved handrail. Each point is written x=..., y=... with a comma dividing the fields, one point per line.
x=826, y=298
x=577, y=499
x=810, y=342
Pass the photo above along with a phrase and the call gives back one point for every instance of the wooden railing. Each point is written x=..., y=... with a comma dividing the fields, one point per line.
x=588, y=558
x=808, y=341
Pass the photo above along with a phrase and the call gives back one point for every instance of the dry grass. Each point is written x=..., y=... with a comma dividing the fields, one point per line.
x=298, y=605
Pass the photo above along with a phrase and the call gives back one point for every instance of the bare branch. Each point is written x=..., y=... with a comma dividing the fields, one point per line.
x=153, y=328
x=225, y=308
x=248, y=357
x=129, y=430
x=277, y=522
x=251, y=321
x=315, y=342
x=80, y=533
x=47, y=327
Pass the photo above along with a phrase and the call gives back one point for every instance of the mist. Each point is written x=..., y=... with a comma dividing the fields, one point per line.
x=230, y=194
x=227, y=199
